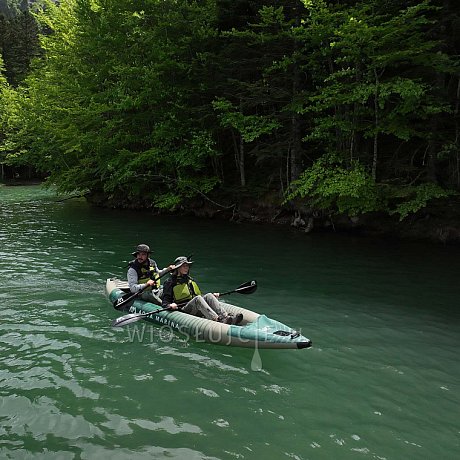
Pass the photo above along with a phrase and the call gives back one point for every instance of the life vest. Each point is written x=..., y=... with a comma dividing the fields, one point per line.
x=147, y=271
x=185, y=290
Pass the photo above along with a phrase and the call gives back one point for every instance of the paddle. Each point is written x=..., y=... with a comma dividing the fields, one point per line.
x=246, y=288
x=132, y=317
x=128, y=297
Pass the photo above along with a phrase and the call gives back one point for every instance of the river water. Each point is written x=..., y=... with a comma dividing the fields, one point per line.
x=382, y=380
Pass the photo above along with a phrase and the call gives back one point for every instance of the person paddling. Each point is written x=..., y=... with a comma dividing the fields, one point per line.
x=180, y=288
x=144, y=275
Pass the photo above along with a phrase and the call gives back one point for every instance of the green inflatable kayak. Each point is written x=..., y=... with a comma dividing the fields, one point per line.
x=254, y=331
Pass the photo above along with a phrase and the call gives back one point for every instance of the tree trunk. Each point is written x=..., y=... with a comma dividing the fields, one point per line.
x=241, y=163
x=457, y=132
x=439, y=85
x=295, y=153
x=239, y=157
x=376, y=125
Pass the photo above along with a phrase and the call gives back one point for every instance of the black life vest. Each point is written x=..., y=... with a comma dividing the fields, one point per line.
x=146, y=271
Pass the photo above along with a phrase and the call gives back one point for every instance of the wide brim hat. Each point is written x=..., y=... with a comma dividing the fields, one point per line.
x=181, y=261
x=141, y=248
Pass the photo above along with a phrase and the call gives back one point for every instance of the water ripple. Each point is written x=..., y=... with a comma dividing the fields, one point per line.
x=380, y=382
x=40, y=418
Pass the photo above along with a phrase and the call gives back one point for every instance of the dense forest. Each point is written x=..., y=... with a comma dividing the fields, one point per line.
x=346, y=107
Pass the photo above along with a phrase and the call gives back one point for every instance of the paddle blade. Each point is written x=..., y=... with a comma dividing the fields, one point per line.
x=247, y=288
x=133, y=317
x=128, y=319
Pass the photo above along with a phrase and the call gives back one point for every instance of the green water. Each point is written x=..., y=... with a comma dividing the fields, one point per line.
x=382, y=380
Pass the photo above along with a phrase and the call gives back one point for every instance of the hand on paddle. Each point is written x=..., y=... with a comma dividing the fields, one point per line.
x=150, y=283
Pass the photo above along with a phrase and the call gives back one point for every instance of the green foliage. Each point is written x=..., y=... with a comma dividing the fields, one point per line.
x=3, y=99
x=331, y=185
x=3, y=82
x=415, y=197
x=9, y=112
x=251, y=127
x=380, y=77
x=184, y=188
x=167, y=201
x=19, y=42
x=113, y=100
x=130, y=99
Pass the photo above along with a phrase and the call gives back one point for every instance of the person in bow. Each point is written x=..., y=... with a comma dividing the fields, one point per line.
x=181, y=290
x=144, y=275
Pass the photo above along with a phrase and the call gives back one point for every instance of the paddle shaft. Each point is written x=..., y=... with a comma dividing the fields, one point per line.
x=118, y=305
x=137, y=316
x=153, y=312
x=246, y=288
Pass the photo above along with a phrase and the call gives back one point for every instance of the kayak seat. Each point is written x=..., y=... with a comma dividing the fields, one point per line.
x=282, y=333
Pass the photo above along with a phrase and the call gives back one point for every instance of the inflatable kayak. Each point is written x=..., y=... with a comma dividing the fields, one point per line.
x=254, y=331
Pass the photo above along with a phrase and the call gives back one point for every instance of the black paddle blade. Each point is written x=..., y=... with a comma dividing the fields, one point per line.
x=247, y=288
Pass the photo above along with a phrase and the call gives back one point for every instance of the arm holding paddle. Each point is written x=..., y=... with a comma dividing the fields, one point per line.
x=133, y=278
x=168, y=296
x=129, y=297
x=143, y=278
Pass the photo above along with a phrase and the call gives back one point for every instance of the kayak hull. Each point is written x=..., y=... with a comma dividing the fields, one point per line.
x=255, y=331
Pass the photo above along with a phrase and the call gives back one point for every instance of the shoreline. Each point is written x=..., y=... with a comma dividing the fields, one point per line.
x=438, y=222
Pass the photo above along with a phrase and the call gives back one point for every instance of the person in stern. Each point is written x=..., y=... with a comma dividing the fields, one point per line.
x=144, y=275
x=180, y=288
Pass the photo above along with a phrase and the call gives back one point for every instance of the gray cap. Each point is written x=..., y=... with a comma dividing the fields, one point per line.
x=141, y=248
x=182, y=260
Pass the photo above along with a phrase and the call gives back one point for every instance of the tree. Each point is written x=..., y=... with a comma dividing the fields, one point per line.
x=259, y=58
x=114, y=98
x=348, y=105
x=7, y=106
x=379, y=89
x=19, y=42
